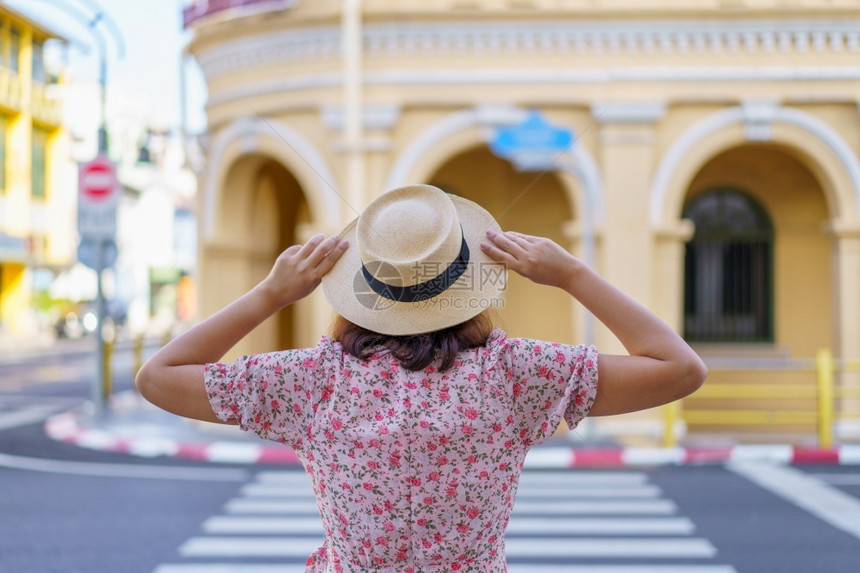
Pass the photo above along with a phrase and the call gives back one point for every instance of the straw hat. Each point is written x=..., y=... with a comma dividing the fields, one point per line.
x=414, y=263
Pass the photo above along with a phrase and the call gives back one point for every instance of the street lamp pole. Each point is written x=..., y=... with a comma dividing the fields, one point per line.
x=92, y=22
x=102, y=83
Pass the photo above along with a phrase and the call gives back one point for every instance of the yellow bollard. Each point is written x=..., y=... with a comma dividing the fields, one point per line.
x=137, y=355
x=671, y=415
x=107, y=373
x=825, y=367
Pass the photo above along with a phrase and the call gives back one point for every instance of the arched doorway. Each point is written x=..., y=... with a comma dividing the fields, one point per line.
x=758, y=279
x=261, y=211
x=728, y=275
x=782, y=199
x=529, y=203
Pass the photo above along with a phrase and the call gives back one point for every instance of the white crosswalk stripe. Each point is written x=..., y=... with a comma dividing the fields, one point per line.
x=563, y=522
x=555, y=493
x=512, y=568
x=229, y=525
x=523, y=506
x=298, y=547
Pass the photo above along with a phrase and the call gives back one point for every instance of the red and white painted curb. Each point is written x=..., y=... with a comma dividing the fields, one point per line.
x=65, y=428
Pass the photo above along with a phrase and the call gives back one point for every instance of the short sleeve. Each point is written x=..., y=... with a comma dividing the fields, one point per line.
x=272, y=395
x=550, y=382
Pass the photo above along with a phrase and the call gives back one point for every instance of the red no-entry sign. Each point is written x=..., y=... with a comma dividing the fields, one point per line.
x=98, y=179
x=97, y=199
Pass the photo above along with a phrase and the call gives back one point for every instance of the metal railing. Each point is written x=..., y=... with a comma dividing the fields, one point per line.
x=825, y=394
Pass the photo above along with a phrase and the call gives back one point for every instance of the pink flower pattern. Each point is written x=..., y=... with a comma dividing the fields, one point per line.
x=412, y=471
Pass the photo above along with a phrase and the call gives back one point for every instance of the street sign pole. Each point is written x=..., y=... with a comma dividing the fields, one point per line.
x=99, y=398
x=97, y=206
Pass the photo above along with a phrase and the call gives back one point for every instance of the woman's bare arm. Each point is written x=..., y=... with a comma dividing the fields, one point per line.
x=173, y=378
x=661, y=366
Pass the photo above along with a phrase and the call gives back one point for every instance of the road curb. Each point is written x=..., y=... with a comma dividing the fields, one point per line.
x=66, y=427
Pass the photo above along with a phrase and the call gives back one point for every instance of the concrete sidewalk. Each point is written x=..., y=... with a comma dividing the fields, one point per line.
x=133, y=426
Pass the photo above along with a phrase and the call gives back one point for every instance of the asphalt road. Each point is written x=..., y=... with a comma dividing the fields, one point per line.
x=80, y=510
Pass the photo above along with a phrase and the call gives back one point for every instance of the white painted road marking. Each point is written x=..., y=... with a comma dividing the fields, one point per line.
x=555, y=526
x=624, y=547
x=600, y=507
x=628, y=528
x=528, y=568
x=839, y=479
x=555, y=478
x=27, y=415
x=556, y=493
x=308, y=506
x=305, y=506
x=121, y=470
x=512, y=568
x=805, y=491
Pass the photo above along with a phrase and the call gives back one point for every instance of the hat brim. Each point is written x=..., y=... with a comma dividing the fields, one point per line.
x=479, y=288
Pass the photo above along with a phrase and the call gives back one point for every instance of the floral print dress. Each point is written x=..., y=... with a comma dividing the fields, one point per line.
x=413, y=472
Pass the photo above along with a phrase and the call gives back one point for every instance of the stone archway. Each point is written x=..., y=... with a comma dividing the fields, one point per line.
x=792, y=283
x=824, y=152
x=263, y=209
x=260, y=174
x=275, y=139
x=521, y=202
x=468, y=128
x=806, y=140
x=580, y=180
x=795, y=202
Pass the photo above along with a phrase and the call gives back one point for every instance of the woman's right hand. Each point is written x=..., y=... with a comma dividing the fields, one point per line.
x=661, y=366
x=536, y=258
x=299, y=269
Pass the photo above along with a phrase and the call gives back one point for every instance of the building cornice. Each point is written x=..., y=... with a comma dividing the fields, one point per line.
x=738, y=38
x=412, y=77
x=628, y=112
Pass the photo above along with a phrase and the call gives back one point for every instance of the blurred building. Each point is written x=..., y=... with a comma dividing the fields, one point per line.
x=151, y=284
x=49, y=119
x=714, y=174
x=36, y=230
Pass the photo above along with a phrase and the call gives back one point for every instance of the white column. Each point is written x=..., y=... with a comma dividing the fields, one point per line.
x=353, y=128
x=847, y=269
x=627, y=157
x=847, y=320
x=667, y=279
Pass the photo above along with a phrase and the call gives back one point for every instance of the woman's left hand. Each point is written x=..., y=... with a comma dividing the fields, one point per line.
x=300, y=268
x=173, y=378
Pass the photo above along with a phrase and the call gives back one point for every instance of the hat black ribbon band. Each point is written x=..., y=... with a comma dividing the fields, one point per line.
x=425, y=290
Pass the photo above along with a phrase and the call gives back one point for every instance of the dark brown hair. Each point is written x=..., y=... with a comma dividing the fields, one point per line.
x=415, y=351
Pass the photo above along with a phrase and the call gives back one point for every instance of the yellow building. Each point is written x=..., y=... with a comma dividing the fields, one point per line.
x=714, y=176
x=33, y=231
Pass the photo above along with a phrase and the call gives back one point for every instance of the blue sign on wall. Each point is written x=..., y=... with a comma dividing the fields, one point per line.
x=534, y=136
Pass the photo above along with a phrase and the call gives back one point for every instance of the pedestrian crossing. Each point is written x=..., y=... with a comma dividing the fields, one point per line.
x=563, y=522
